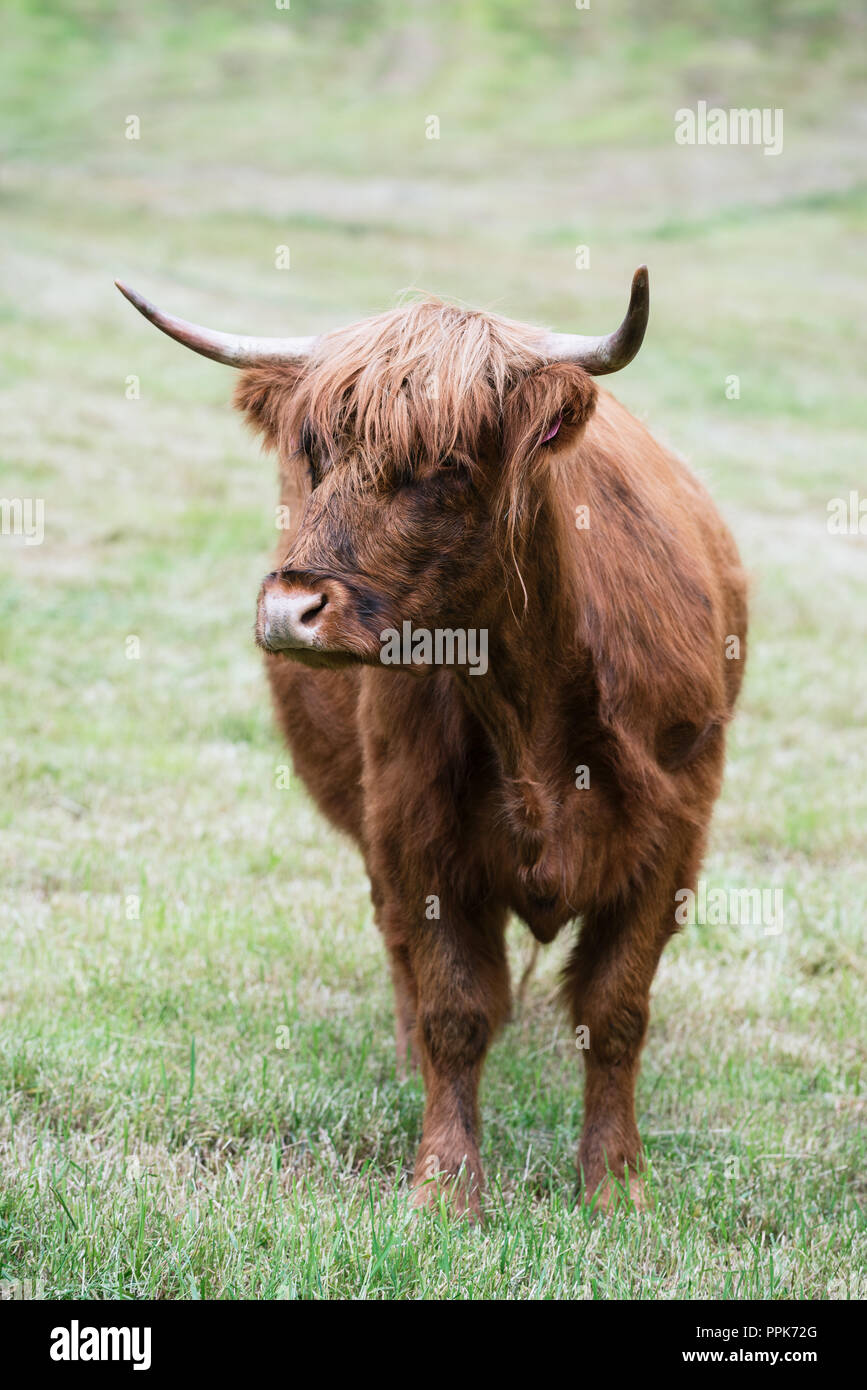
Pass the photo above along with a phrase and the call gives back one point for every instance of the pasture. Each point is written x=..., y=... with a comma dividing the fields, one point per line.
x=196, y=1043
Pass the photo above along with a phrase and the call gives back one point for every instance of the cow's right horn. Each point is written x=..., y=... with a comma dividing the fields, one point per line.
x=230, y=348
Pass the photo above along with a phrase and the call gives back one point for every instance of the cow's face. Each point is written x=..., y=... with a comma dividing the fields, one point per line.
x=417, y=477
x=365, y=561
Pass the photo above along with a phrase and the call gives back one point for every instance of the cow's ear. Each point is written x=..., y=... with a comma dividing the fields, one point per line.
x=547, y=409
x=265, y=396
x=542, y=415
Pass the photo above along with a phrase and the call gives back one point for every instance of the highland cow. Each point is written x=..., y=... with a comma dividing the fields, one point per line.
x=450, y=471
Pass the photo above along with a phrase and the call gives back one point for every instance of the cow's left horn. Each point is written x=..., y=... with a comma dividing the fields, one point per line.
x=599, y=356
x=231, y=348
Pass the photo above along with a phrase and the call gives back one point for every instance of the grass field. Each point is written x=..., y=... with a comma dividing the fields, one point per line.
x=169, y=913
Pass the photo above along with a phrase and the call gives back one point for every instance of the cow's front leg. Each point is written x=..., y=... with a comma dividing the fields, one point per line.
x=460, y=968
x=608, y=981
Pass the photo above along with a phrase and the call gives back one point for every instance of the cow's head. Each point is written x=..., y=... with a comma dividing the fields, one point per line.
x=419, y=440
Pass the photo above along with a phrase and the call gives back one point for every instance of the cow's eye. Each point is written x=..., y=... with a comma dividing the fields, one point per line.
x=435, y=483
x=310, y=465
x=308, y=451
x=313, y=470
x=455, y=472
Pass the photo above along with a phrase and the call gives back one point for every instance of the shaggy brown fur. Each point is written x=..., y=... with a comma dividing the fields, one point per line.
x=412, y=459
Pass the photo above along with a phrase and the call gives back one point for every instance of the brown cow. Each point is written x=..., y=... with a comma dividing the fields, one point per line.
x=566, y=614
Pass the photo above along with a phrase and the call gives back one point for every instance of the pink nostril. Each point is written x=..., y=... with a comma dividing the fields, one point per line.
x=316, y=608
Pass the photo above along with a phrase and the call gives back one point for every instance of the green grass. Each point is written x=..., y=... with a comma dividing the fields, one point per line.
x=155, y=1140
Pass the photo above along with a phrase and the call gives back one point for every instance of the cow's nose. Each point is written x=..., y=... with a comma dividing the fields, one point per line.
x=289, y=615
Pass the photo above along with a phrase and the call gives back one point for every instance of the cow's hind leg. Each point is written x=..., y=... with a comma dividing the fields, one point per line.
x=607, y=983
x=405, y=1008
x=390, y=921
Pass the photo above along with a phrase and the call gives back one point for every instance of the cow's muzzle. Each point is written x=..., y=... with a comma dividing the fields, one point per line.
x=291, y=615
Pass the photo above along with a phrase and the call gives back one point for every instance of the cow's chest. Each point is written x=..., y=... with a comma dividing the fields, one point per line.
x=549, y=847
x=540, y=838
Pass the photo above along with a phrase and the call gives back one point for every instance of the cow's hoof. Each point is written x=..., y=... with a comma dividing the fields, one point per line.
x=613, y=1195
x=458, y=1197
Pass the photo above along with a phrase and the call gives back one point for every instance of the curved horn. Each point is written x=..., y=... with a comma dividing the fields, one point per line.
x=599, y=356
x=230, y=348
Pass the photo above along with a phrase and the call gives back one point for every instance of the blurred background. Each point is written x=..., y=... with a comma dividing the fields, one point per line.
x=168, y=904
